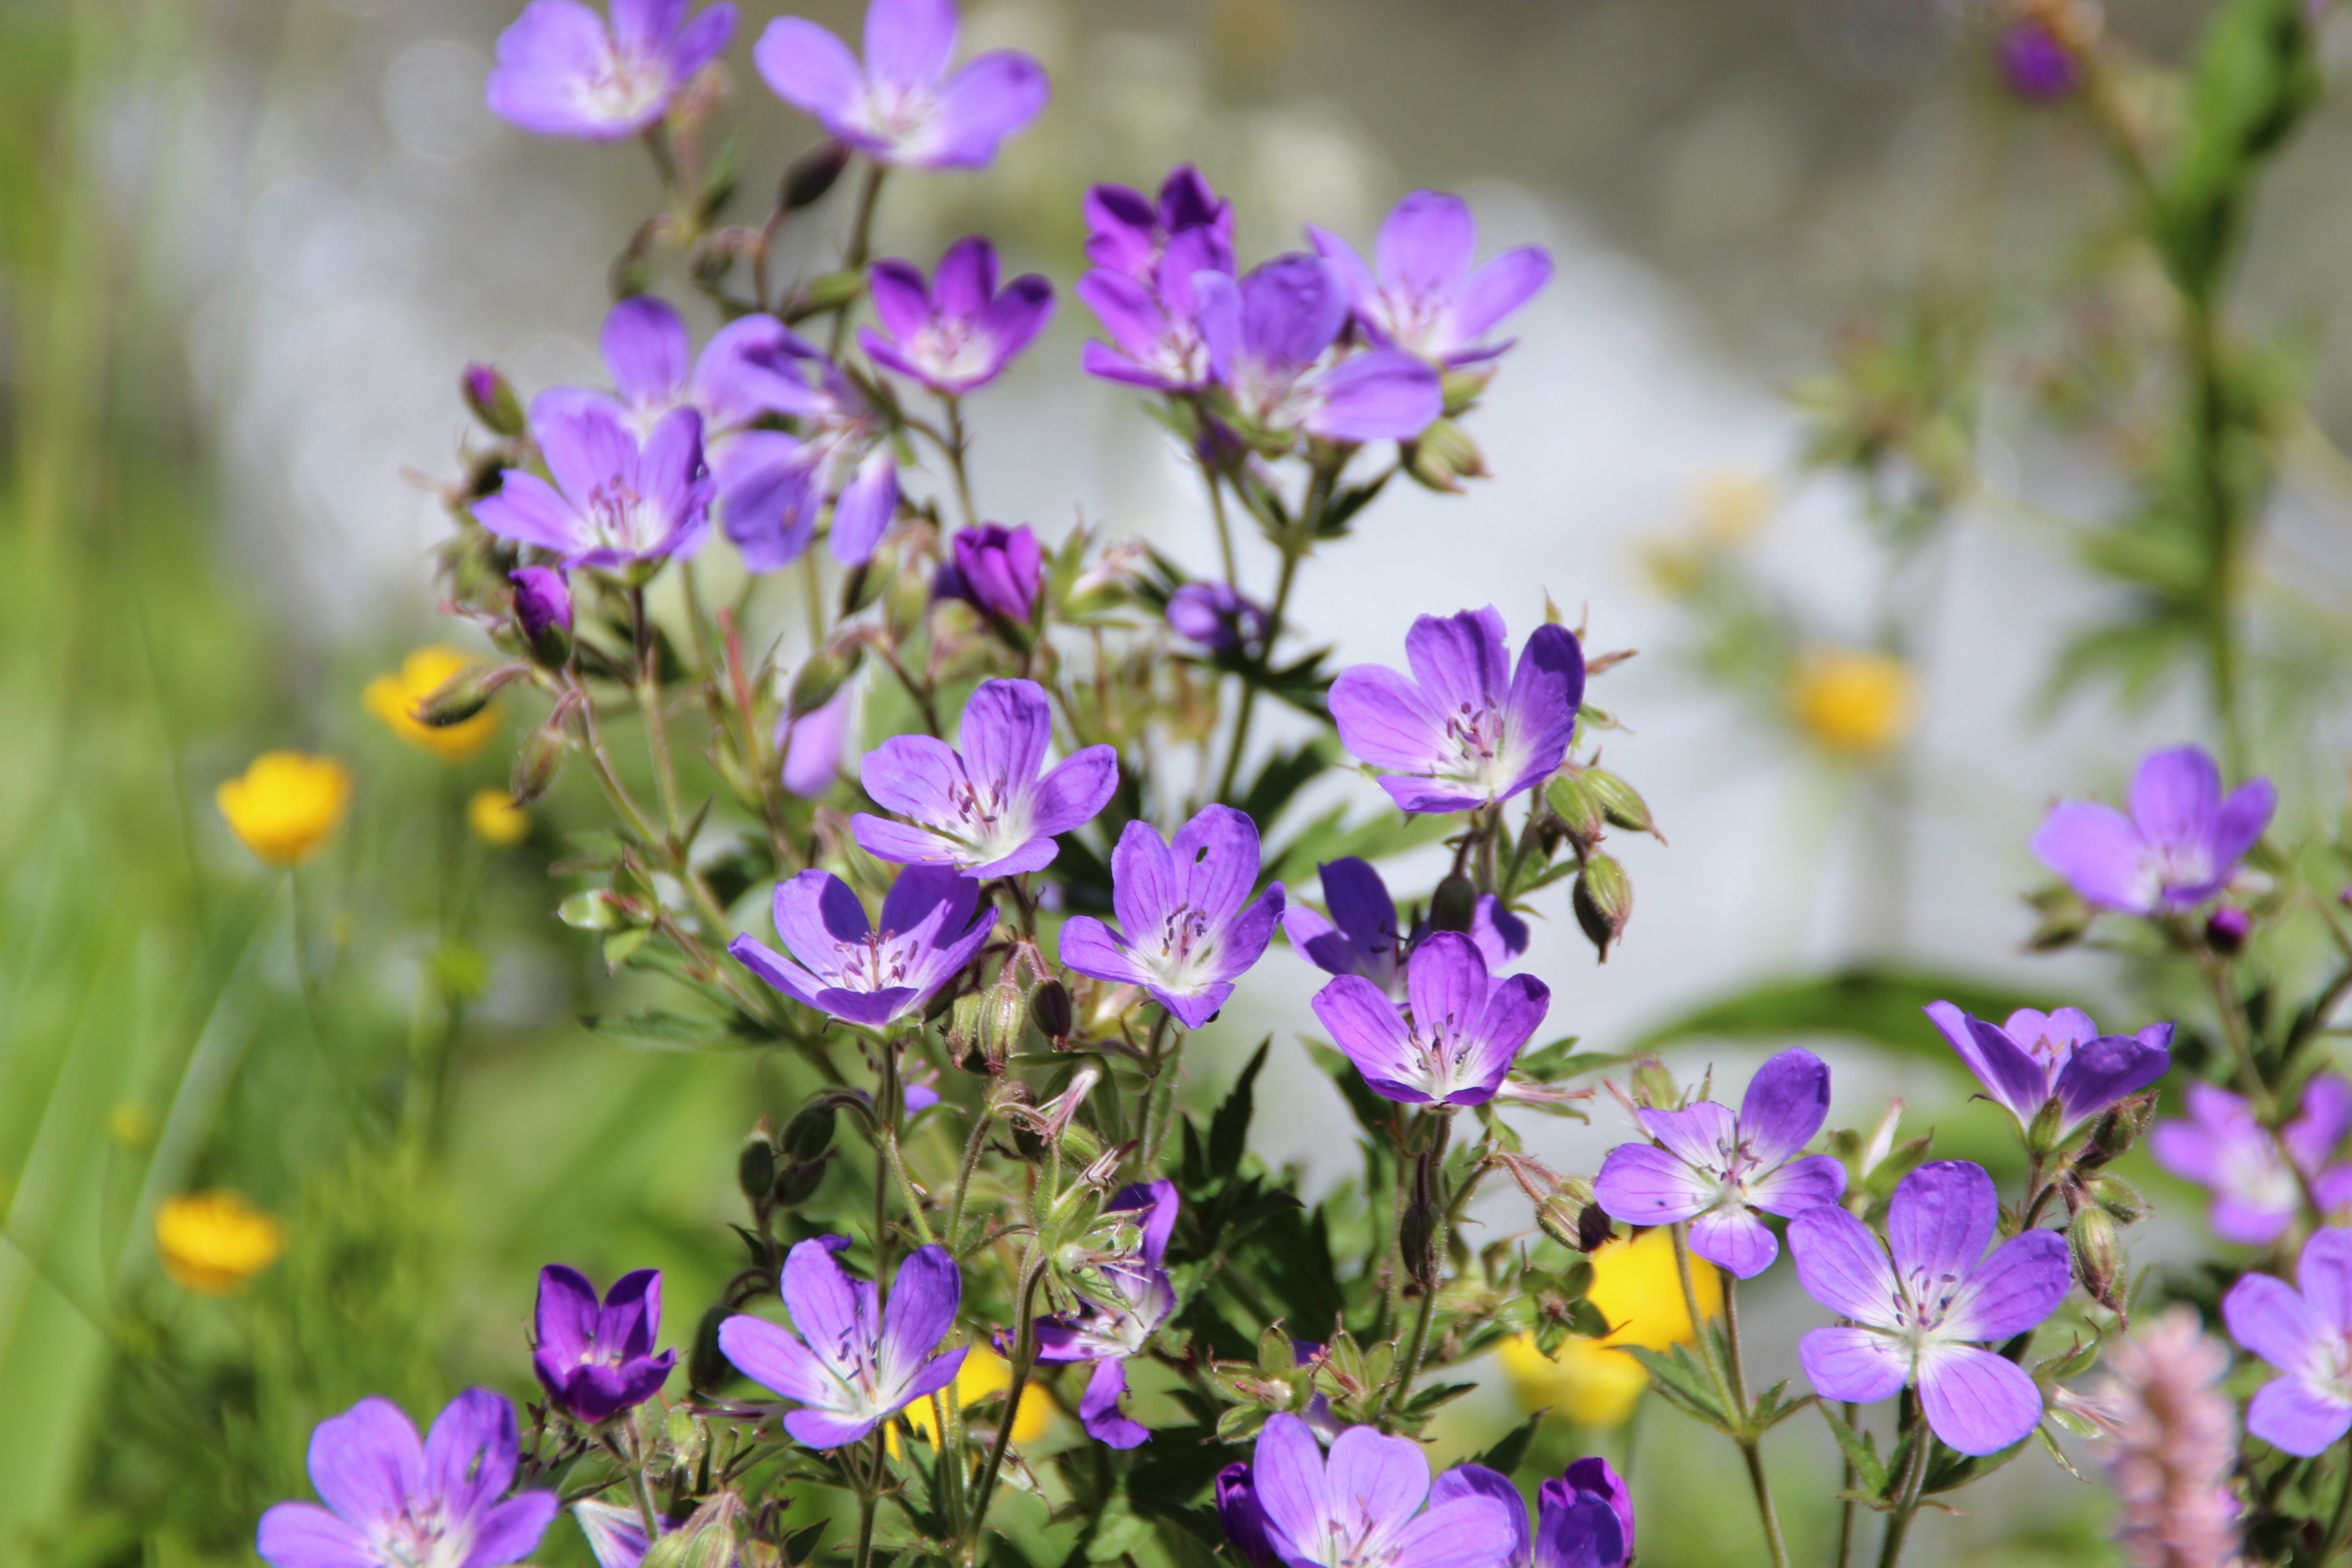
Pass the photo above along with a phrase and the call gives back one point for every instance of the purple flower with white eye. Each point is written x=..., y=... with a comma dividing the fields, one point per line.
x=1217, y=616
x=851, y=969
x=960, y=335
x=775, y=484
x=995, y=569
x=1361, y=1507
x=615, y=501
x=1136, y=1299
x=1463, y=729
x=1128, y=231
x=1584, y=1518
x=1427, y=300
x=2036, y=1057
x=1268, y=336
x=393, y=1502
x=1920, y=1318
x=1187, y=929
x=1360, y=936
x=2180, y=847
x=811, y=744
x=1717, y=1170
x=2259, y=1178
x=1156, y=337
x=1464, y=1032
x=596, y=1358
x=850, y=1368
x=990, y=810
x=2307, y=1334
x=562, y=72
x=901, y=107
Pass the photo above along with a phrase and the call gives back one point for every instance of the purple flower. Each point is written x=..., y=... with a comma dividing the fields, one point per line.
x=1362, y=1507
x=1585, y=1518
x=1243, y=1519
x=1463, y=1032
x=2035, y=65
x=1217, y=616
x=1136, y=1299
x=860, y=975
x=1128, y=232
x=902, y=106
x=1463, y=729
x=2258, y=1178
x=986, y=810
x=2036, y=1057
x=615, y=501
x=1156, y=337
x=562, y=72
x=848, y=1371
x=2180, y=847
x=542, y=601
x=1426, y=300
x=1360, y=937
x=596, y=1360
x=960, y=337
x=775, y=483
x=751, y=367
x=1268, y=336
x=617, y=1535
x=997, y=569
x=811, y=745
x=2307, y=1335
x=393, y=1502
x=1187, y=929
x=1920, y=1318
x=1717, y=1170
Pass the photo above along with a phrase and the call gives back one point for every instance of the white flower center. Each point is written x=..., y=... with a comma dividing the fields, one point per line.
x=422, y=1537
x=1187, y=947
x=991, y=820
x=624, y=87
x=1484, y=760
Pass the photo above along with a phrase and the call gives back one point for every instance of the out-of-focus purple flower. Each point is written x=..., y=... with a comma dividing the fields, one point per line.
x=2180, y=847
x=1136, y=1299
x=615, y=501
x=2227, y=928
x=1128, y=231
x=992, y=809
x=393, y=1502
x=1463, y=729
x=2307, y=1334
x=1187, y=929
x=855, y=972
x=775, y=483
x=1716, y=1170
x=2258, y=1179
x=1584, y=1518
x=1157, y=338
x=560, y=71
x=1464, y=1029
x=617, y=1535
x=811, y=744
x=542, y=601
x=850, y=1368
x=1920, y=1318
x=994, y=568
x=2036, y=1057
x=2035, y=65
x=596, y=1358
x=962, y=334
x=1268, y=336
x=2171, y=1449
x=1217, y=616
x=1362, y=1507
x=1360, y=936
x=902, y=106
x=1426, y=299
x=1243, y=1519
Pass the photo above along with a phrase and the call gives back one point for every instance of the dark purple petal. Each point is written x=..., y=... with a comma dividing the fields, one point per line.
x=2015, y=1289
x=967, y=278
x=1852, y=1364
x=2291, y=1414
x=815, y=913
x=366, y=1463
x=1159, y=1206
x=900, y=297
x=1735, y=1240
x=1975, y=1402
x=1243, y=1519
x=1501, y=935
x=1014, y=318
x=2010, y=1076
x=1595, y=1476
x=1787, y=1101
x=567, y=1313
x=1841, y=1266
x=1640, y=1184
x=1578, y=1530
x=542, y=600
x=2100, y=853
x=1940, y=1219
x=1098, y=1407
x=811, y=69
x=2107, y=1069
x=932, y=894
x=1360, y=903
x=2035, y=64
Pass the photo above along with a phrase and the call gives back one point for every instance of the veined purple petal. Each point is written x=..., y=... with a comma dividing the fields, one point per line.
x=1474, y=1530
x=2015, y=1289
x=1075, y=793
x=567, y=1313
x=1787, y=1101
x=1286, y=1472
x=1859, y=1364
x=1380, y=395
x=2270, y=1317
x=1384, y=1479
x=1697, y=1134
x=1941, y=1219
x=921, y=1310
x=645, y=348
x=909, y=43
x=304, y=1535
x=632, y=1313
x=1365, y=1025
x=506, y=1532
x=776, y=968
x=2008, y=1073
x=1144, y=888
x=1215, y=858
x=1735, y=1241
x=1579, y=1530
x=1478, y=1480
x=2098, y=851
x=2175, y=797
x=1841, y=1266
x=1384, y=719
x=1799, y=1185
x=1007, y=726
x=1098, y=1407
x=1292, y=308
x=811, y=69
x=1427, y=244
x=366, y=1463
x=2107, y=1069
x=776, y=1360
x=995, y=97
x=1640, y=1184
x=1975, y=1402
x=2292, y=1415
x=815, y=913
x=1088, y=948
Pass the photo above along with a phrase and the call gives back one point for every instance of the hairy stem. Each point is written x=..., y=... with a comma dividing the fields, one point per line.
x=1751, y=1445
x=1898, y=1522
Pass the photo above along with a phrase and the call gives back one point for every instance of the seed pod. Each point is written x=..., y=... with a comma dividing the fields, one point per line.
x=465, y=694
x=2114, y=1134
x=539, y=761
x=1003, y=1015
x=1566, y=1215
x=1577, y=805
x=2098, y=1255
x=963, y=1032
x=2118, y=1197
x=1619, y=803
x=1442, y=455
x=1603, y=902
x=755, y=1167
x=1050, y=1010
x=812, y=174
x=1417, y=1229
x=1454, y=905
x=809, y=1133
x=796, y=1184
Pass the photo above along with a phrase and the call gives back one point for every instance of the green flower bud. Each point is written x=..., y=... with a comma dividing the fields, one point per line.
x=812, y=174
x=2118, y=1197
x=539, y=761
x=1050, y=1010
x=1604, y=902
x=963, y=1032
x=795, y=1185
x=465, y=694
x=1619, y=803
x=821, y=677
x=1577, y=804
x=810, y=1132
x=1442, y=455
x=755, y=1168
x=492, y=398
x=1454, y=905
x=2097, y=1253
x=1571, y=1216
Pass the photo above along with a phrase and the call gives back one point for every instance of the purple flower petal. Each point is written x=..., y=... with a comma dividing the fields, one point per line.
x=823, y=1429
x=922, y=1308
x=304, y=1535
x=1087, y=947
x=1427, y=244
x=2105, y=1071
x=1841, y=1266
x=366, y=1463
x=1364, y=1024
x=1098, y=1407
x=866, y=506
x=1472, y=1531
x=909, y=43
x=1007, y=725
x=811, y=69
x=1499, y=289
x=512, y=1531
x=1735, y=1241
x=2268, y=1317
x=2290, y=1415
x=1242, y=1518
x=1579, y=1530
x=1975, y=1402
x=646, y=350
x=2008, y=1073
x=2015, y=1289
x=1799, y=1185
x=2097, y=850
x=1075, y=793
x=775, y=1360
x=1940, y=1219
x=1287, y=1471
x=995, y=97
x=1381, y=394
x=1852, y=1364
x=1787, y=1101
x=1697, y=1134
x=1379, y=1476
x=1384, y=719
x=2239, y=825
x=567, y=1313
x=1640, y=1184
x=1478, y=1482
x=2175, y=797
x=2325, y=1274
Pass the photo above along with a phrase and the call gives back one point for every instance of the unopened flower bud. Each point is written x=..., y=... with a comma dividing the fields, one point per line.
x=1569, y=1216
x=465, y=694
x=537, y=764
x=2226, y=930
x=2114, y=1134
x=2122, y=1201
x=1619, y=803
x=2099, y=1254
x=1654, y=1087
x=1442, y=455
x=798, y=1183
x=1603, y=902
x=812, y=174
x=2066, y=916
x=810, y=1132
x=543, y=608
x=1050, y=1010
x=820, y=678
x=1454, y=905
x=2041, y=1133
x=707, y=1370
x=755, y=1167
x=963, y=1032
x=1003, y=1015
x=492, y=398
x=1576, y=803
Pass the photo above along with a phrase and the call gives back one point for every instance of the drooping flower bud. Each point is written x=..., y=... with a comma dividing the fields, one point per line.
x=1603, y=902
x=2118, y=1197
x=798, y=1183
x=1577, y=804
x=543, y=609
x=810, y=1132
x=1442, y=455
x=2098, y=1256
x=465, y=694
x=1620, y=804
x=492, y=398
x=2226, y=930
x=540, y=758
x=812, y=174
x=821, y=677
x=1454, y=905
x=755, y=1166
x=1568, y=1215
x=1050, y=1010
x=1216, y=617
x=997, y=569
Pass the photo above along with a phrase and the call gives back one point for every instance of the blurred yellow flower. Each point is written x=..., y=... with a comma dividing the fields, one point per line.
x=1636, y=1288
x=496, y=820
x=214, y=1242
x=1855, y=701
x=285, y=804
x=1731, y=506
x=393, y=698
x=985, y=1372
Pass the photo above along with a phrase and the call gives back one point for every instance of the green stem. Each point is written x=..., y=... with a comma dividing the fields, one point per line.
x=866, y=1499
x=1898, y=1522
x=973, y=1147
x=2339, y=1528
x=2235, y=1030
x=1751, y=1445
x=959, y=444
x=1290, y=558
x=1845, y=1507
x=1417, y=1343
x=1224, y=528
x=1024, y=1357
x=1681, y=1234
x=861, y=238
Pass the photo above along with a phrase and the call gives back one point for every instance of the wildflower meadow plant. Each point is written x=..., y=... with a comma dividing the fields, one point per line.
x=1025, y=815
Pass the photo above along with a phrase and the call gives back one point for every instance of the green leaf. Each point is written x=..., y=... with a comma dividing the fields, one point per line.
x=1229, y=1127
x=1881, y=1006
x=664, y=1031
x=1285, y=774
x=1859, y=1449
x=1683, y=1382
x=1504, y=1455
x=1434, y=1395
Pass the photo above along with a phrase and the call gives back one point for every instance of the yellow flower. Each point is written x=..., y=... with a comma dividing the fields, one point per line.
x=1636, y=1288
x=393, y=698
x=985, y=1372
x=1731, y=507
x=285, y=804
x=496, y=820
x=214, y=1242
x=1855, y=701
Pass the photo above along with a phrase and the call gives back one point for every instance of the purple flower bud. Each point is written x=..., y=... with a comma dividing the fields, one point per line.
x=492, y=398
x=1216, y=617
x=2227, y=928
x=995, y=568
x=1243, y=1519
x=2035, y=65
x=542, y=601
